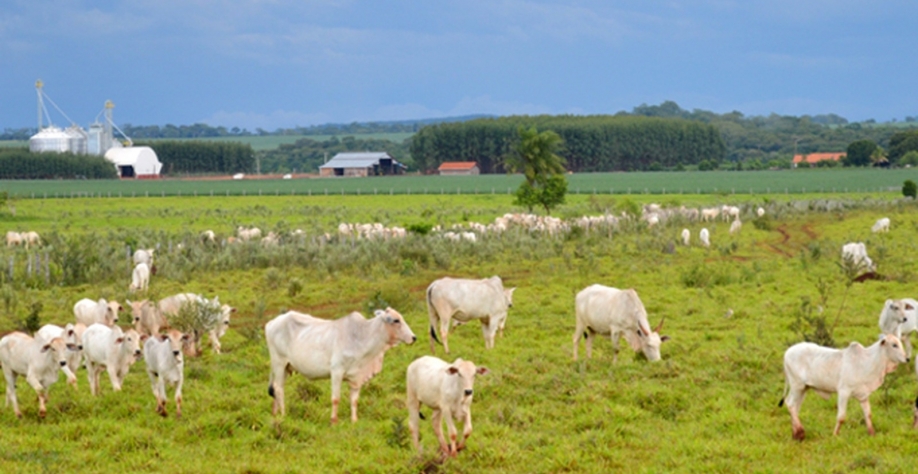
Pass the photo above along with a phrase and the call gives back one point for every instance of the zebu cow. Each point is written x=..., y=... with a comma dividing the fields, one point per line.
x=216, y=317
x=609, y=311
x=30, y=238
x=163, y=356
x=465, y=300
x=13, y=238
x=735, y=226
x=705, y=237
x=38, y=361
x=349, y=349
x=144, y=256
x=686, y=237
x=882, y=225
x=851, y=372
x=448, y=389
x=855, y=253
x=900, y=318
x=71, y=334
x=248, y=234
x=140, y=277
x=148, y=320
x=89, y=312
x=109, y=349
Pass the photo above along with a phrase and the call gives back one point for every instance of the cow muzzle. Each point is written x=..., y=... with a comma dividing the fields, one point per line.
x=468, y=392
x=176, y=353
x=63, y=363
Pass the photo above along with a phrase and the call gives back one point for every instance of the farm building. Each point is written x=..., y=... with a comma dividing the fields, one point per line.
x=135, y=161
x=458, y=168
x=361, y=164
x=813, y=158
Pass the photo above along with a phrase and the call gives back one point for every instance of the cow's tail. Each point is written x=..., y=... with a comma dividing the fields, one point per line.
x=787, y=389
x=432, y=314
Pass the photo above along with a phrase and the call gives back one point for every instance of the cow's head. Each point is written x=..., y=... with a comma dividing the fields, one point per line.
x=892, y=347
x=176, y=340
x=651, y=341
x=130, y=343
x=464, y=371
x=111, y=313
x=396, y=326
x=508, y=295
x=56, y=349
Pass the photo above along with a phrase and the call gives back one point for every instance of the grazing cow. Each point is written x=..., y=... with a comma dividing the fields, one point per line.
x=760, y=212
x=710, y=214
x=735, y=226
x=163, y=356
x=109, y=349
x=13, y=238
x=349, y=349
x=248, y=234
x=855, y=254
x=217, y=317
x=686, y=237
x=148, y=320
x=705, y=237
x=144, y=256
x=853, y=371
x=465, y=300
x=30, y=238
x=140, y=278
x=881, y=225
x=208, y=237
x=71, y=334
x=609, y=311
x=39, y=361
x=89, y=312
x=448, y=389
x=900, y=317
x=220, y=329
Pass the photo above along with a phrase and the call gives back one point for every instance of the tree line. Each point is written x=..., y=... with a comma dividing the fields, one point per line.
x=180, y=156
x=590, y=143
x=20, y=163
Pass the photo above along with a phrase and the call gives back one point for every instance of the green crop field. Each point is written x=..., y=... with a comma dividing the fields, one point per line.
x=720, y=182
x=710, y=404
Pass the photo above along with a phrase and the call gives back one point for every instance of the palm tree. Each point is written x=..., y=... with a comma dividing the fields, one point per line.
x=534, y=156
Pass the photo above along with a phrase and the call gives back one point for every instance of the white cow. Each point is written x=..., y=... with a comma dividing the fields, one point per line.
x=612, y=312
x=38, y=361
x=448, y=389
x=208, y=237
x=855, y=253
x=71, y=334
x=710, y=214
x=686, y=237
x=89, y=312
x=140, y=278
x=735, y=226
x=882, y=225
x=13, y=238
x=705, y=237
x=109, y=349
x=30, y=238
x=760, y=212
x=465, y=300
x=349, y=349
x=163, y=356
x=851, y=372
x=216, y=317
x=148, y=319
x=900, y=317
x=248, y=234
x=144, y=256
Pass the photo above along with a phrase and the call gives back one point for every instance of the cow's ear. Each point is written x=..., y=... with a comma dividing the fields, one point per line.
x=186, y=337
x=119, y=340
x=378, y=313
x=232, y=310
x=164, y=337
x=664, y=338
x=640, y=333
x=45, y=347
x=452, y=370
x=73, y=347
x=909, y=307
x=482, y=371
x=70, y=332
x=144, y=337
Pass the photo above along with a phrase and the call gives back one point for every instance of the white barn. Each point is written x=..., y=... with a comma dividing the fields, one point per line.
x=135, y=161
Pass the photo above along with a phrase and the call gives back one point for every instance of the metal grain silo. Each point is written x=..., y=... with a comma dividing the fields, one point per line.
x=50, y=139
x=78, y=139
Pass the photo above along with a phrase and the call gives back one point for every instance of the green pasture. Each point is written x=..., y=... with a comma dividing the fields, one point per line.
x=709, y=406
x=836, y=181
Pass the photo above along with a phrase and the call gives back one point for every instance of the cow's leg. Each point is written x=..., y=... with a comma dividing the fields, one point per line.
x=842, y=410
x=578, y=333
x=588, y=337
x=115, y=378
x=178, y=396
x=488, y=330
x=276, y=385
x=794, y=401
x=451, y=430
x=215, y=340
x=436, y=418
x=908, y=345
x=414, y=421
x=616, y=336
x=466, y=429
x=36, y=384
x=337, y=377
x=155, y=391
x=42, y=400
x=11, y=391
x=161, y=396
x=865, y=406
x=444, y=333
x=90, y=370
x=355, y=394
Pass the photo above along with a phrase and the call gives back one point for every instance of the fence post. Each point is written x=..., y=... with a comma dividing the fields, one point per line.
x=12, y=261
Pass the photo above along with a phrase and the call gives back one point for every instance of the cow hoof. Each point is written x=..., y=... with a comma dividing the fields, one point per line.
x=799, y=435
x=42, y=413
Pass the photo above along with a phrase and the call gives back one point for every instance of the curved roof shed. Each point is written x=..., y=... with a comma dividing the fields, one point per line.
x=134, y=161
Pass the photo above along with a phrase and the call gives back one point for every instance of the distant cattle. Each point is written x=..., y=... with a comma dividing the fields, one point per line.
x=208, y=237
x=612, y=312
x=348, y=349
x=148, y=320
x=705, y=237
x=882, y=225
x=109, y=349
x=851, y=372
x=88, y=312
x=140, y=277
x=165, y=365
x=13, y=238
x=448, y=389
x=248, y=234
x=38, y=361
x=854, y=255
x=143, y=256
x=686, y=237
x=760, y=212
x=735, y=226
x=466, y=300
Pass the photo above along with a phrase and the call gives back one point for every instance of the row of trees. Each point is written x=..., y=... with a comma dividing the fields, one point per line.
x=590, y=143
x=903, y=150
x=20, y=163
x=203, y=157
x=306, y=155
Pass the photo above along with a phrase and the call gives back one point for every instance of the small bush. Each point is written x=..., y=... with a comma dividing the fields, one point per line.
x=909, y=189
x=294, y=287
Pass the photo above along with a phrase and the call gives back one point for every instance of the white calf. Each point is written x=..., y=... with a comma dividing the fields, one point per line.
x=881, y=225
x=88, y=312
x=140, y=278
x=110, y=349
x=851, y=372
x=163, y=356
x=705, y=237
x=448, y=389
x=686, y=237
x=38, y=361
x=71, y=334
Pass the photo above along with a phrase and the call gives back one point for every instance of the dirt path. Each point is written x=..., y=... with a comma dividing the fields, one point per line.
x=793, y=238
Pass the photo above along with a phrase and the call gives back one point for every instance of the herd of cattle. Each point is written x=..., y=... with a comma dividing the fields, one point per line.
x=351, y=349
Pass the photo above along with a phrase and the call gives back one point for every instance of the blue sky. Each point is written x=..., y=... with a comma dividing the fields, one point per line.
x=284, y=63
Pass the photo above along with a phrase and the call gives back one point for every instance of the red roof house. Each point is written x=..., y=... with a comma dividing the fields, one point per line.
x=813, y=158
x=458, y=168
